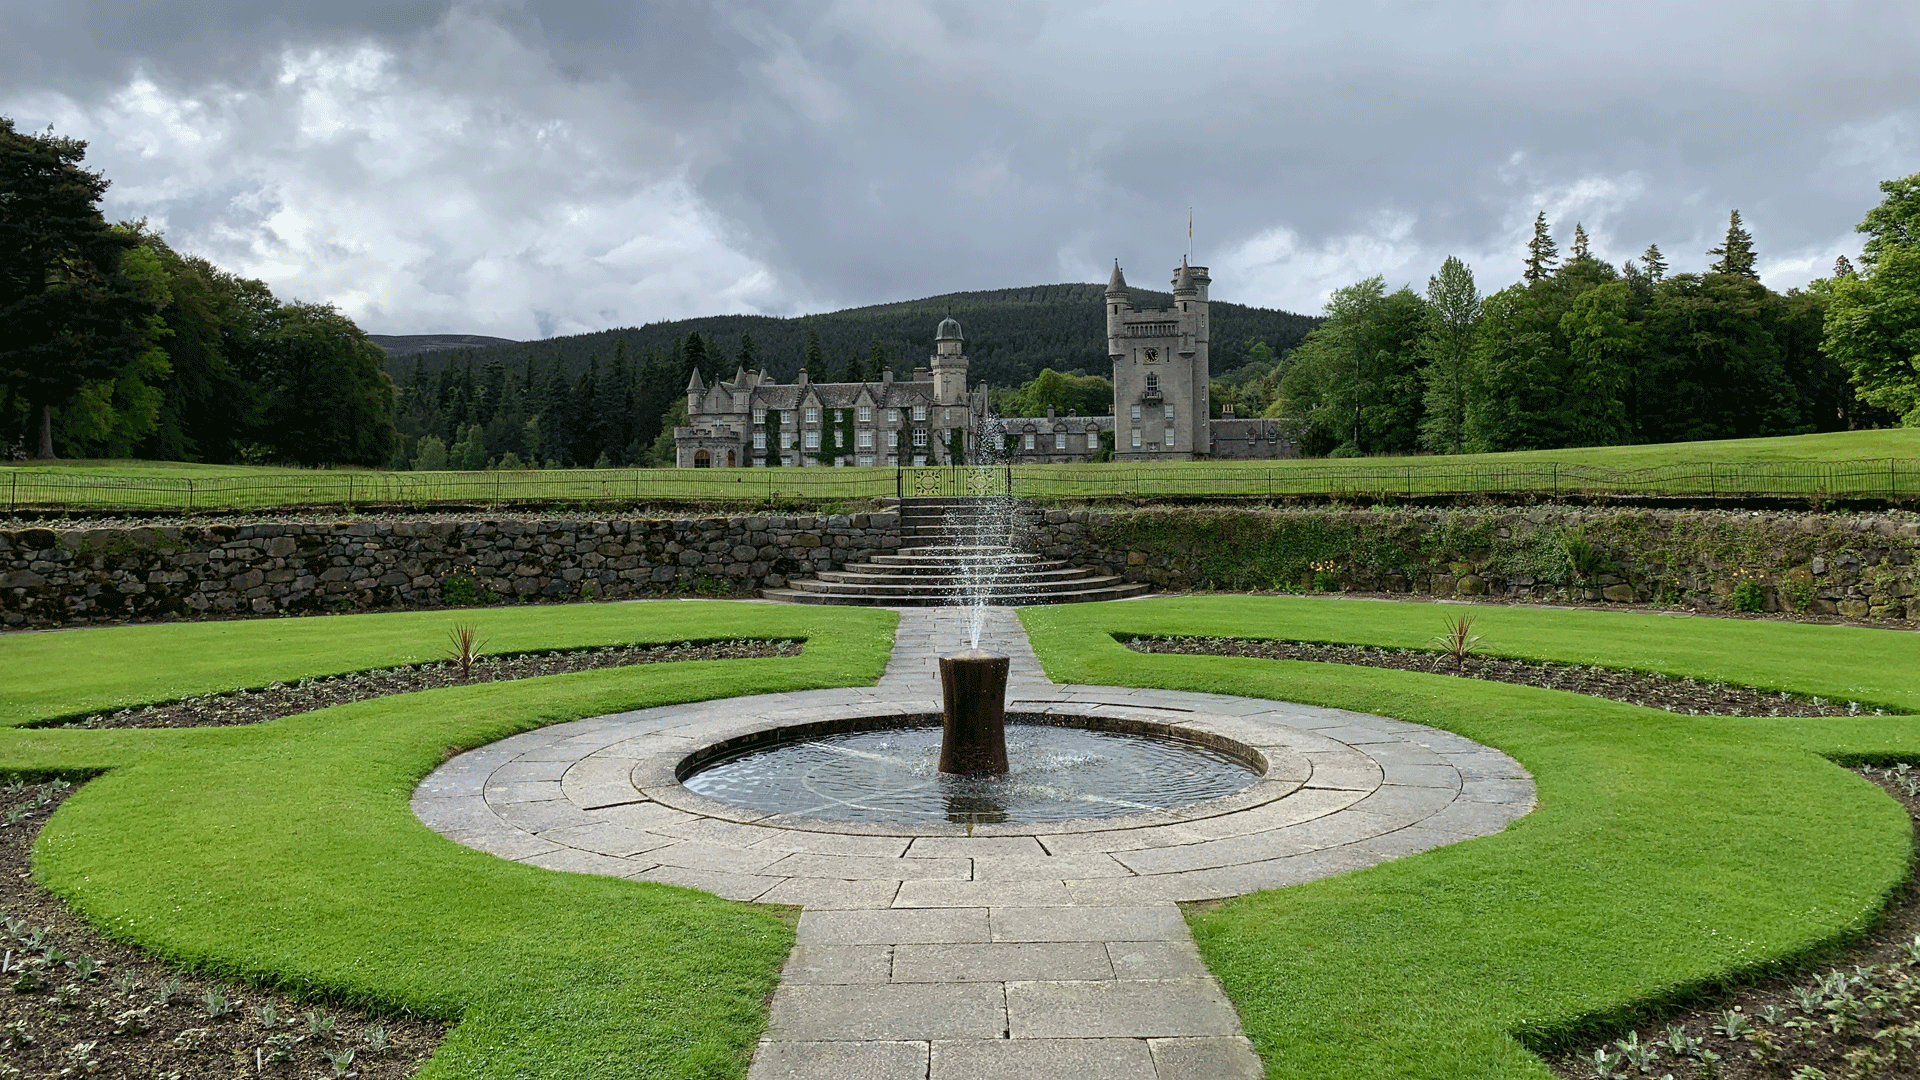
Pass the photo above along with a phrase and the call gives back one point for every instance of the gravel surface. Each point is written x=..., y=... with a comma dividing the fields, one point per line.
x=73, y=1003
x=1853, y=1019
x=1653, y=690
x=285, y=699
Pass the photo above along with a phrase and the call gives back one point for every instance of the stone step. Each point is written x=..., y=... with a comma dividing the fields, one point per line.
x=1110, y=592
x=956, y=588
x=1055, y=567
x=907, y=576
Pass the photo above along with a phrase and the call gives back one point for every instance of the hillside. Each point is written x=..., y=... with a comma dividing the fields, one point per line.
x=398, y=346
x=1011, y=335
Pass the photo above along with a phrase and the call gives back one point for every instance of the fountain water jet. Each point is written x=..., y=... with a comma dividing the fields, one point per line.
x=973, y=688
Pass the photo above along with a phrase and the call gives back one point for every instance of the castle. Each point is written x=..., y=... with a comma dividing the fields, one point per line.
x=1160, y=382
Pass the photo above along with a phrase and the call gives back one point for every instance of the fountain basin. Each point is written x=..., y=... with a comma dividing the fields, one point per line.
x=886, y=771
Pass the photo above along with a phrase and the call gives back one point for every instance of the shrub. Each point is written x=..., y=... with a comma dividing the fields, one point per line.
x=1749, y=595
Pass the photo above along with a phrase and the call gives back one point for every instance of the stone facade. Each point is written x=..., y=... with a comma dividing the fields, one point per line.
x=1160, y=369
x=931, y=419
x=59, y=577
x=1049, y=439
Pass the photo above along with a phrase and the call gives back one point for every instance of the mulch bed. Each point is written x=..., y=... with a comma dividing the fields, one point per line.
x=286, y=699
x=1651, y=689
x=73, y=1003
x=1856, y=1019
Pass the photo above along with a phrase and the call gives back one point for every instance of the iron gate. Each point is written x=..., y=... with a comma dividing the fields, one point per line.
x=954, y=481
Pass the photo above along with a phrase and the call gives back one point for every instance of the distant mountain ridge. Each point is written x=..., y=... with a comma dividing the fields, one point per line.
x=404, y=345
x=1011, y=334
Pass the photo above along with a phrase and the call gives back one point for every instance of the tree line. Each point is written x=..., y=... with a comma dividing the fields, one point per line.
x=114, y=345
x=1582, y=353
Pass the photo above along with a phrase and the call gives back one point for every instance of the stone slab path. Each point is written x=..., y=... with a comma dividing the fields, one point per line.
x=923, y=951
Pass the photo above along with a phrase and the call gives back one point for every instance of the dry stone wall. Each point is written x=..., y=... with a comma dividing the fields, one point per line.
x=53, y=577
x=1854, y=565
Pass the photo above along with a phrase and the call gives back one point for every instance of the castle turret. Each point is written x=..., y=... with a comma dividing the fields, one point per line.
x=949, y=364
x=1119, y=302
x=695, y=391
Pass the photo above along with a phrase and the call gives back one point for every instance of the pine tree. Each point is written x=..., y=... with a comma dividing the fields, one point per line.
x=815, y=361
x=1736, y=252
x=877, y=359
x=694, y=351
x=1842, y=268
x=1581, y=249
x=1543, y=255
x=1655, y=262
x=749, y=359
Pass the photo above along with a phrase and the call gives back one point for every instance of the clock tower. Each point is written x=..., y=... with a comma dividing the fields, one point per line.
x=1160, y=373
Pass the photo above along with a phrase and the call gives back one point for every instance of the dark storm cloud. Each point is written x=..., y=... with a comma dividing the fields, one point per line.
x=525, y=168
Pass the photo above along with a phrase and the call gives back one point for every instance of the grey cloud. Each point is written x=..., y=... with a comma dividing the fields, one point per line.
x=633, y=162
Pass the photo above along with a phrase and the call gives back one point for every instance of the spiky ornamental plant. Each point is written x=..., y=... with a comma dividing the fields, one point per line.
x=466, y=649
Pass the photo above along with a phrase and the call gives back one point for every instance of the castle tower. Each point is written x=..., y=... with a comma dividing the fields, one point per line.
x=949, y=364
x=1160, y=370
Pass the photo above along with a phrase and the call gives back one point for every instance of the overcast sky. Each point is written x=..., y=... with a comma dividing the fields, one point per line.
x=535, y=168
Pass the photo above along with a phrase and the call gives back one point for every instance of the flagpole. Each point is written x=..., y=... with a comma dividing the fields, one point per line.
x=1189, y=234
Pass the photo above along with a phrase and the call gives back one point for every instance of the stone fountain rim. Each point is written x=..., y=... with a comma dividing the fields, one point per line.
x=1280, y=771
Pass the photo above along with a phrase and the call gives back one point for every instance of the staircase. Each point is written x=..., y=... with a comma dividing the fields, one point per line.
x=956, y=551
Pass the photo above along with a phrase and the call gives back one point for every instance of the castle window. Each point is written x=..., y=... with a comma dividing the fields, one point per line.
x=1093, y=439
x=1169, y=436
x=739, y=401
x=1136, y=438
x=999, y=440
x=813, y=416
x=786, y=440
x=866, y=414
x=1136, y=414
x=759, y=440
x=759, y=416
x=919, y=412
x=866, y=439
x=1153, y=382
x=893, y=416
x=1028, y=443
x=919, y=438
x=813, y=440
x=1169, y=410
x=1059, y=440
x=893, y=439
x=949, y=420
x=866, y=459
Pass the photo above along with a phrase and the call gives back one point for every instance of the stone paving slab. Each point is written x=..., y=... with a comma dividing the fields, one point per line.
x=1007, y=951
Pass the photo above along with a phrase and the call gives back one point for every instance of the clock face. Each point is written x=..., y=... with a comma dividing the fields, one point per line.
x=1152, y=355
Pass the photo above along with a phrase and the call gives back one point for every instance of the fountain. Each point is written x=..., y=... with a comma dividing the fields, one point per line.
x=973, y=765
x=973, y=737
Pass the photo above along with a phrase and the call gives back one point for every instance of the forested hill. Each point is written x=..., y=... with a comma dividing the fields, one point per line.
x=1011, y=335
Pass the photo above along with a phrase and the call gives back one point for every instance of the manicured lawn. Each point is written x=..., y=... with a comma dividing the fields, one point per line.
x=286, y=853
x=1813, y=465
x=1668, y=854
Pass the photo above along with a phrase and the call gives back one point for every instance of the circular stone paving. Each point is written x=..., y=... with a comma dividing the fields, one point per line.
x=947, y=950
x=1339, y=790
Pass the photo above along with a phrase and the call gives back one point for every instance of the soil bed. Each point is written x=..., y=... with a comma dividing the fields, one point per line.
x=73, y=1003
x=286, y=699
x=1855, y=1019
x=1650, y=689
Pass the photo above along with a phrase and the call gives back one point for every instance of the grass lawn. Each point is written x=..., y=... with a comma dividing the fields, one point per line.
x=1792, y=465
x=285, y=852
x=1669, y=853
